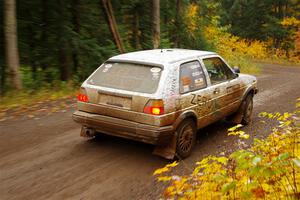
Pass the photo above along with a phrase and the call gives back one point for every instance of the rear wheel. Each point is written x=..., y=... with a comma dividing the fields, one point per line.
x=186, y=138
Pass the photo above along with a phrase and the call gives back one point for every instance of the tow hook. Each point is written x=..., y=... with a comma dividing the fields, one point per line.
x=87, y=132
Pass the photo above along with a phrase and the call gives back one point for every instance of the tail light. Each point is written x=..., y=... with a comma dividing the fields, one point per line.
x=82, y=96
x=154, y=107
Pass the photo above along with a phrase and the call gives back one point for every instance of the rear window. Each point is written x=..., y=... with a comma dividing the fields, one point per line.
x=127, y=76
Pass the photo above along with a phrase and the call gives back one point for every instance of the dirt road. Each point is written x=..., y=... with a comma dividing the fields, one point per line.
x=46, y=159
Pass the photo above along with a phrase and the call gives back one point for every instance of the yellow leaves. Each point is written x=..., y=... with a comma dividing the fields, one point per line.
x=192, y=18
x=222, y=160
x=192, y=10
x=270, y=166
x=164, y=178
x=230, y=46
x=238, y=51
x=235, y=127
x=236, y=133
x=290, y=21
x=209, y=165
x=233, y=131
x=244, y=136
x=298, y=103
x=165, y=169
x=161, y=171
x=173, y=164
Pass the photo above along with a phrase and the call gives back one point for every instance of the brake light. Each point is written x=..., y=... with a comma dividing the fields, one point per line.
x=156, y=111
x=82, y=96
x=154, y=107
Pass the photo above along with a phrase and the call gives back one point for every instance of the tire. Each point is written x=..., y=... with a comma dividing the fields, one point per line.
x=247, y=110
x=186, y=138
x=244, y=113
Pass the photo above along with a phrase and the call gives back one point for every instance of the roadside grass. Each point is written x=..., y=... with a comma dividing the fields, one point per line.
x=269, y=169
x=25, y=98
x=246, y=65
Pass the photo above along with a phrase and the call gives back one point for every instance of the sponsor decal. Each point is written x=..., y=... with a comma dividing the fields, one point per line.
x=199, y=82
x=155, y=73
x=107, y=67
x=155, y=69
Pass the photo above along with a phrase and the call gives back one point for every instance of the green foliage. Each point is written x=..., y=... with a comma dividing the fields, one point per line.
x=254, y=19
x=67, y=40
x=270, y=169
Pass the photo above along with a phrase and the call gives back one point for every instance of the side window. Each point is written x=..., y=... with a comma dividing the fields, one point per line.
x=191, y=77
x=217, y=70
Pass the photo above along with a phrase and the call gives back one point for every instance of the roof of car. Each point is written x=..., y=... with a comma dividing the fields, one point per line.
x=160, y=56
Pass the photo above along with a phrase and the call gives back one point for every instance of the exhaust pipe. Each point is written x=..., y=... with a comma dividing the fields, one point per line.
x=87, y=132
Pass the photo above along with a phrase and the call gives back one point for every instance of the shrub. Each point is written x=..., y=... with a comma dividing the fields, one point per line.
x=270, y=169
x=237, y=51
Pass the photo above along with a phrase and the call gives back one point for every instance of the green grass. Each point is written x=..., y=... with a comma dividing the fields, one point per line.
x=246, y=65
x=15, y=99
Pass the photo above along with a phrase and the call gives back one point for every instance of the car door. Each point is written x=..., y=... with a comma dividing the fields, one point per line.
x=224, y=87
x=194, y=94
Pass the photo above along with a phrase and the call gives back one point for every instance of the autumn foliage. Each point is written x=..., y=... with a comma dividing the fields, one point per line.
x=270, y=169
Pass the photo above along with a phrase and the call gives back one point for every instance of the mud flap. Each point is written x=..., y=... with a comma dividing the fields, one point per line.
x=167, y=151
x=238, y=116
x=237, y=119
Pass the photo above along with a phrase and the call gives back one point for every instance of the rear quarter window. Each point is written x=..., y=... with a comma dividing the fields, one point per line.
x=191, y=77
x=127, y=76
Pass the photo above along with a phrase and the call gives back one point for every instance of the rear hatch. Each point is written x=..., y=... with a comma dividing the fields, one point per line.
x=120, y=89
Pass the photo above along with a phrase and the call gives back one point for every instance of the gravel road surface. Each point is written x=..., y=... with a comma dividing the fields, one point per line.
x=45, y=158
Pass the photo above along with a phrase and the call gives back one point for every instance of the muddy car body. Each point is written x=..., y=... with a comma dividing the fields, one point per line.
x=163, y=97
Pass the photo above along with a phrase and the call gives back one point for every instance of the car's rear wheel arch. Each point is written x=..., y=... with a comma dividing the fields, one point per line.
x=185, y=116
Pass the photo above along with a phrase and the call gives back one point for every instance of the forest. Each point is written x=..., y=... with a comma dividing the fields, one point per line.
x=56, y=44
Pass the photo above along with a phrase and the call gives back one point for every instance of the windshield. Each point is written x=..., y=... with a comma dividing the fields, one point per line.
x=127, y=76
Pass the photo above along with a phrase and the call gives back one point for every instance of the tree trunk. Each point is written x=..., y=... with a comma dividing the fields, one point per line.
x=178, y=23
x=44, y=35
x=2, y=79
x=156, y=23
x=63, y=44
x=107, y=7
x=32, y=58
x=136, y=30
x=12, y=55
x=63, y=60
x=76, y=28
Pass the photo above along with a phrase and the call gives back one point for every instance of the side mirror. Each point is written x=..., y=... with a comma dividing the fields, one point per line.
x=236, y=70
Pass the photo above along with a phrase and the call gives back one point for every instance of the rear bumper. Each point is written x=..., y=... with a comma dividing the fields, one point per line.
x=124, y=128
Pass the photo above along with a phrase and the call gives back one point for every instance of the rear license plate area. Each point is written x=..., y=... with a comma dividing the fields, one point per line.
x=116, y=101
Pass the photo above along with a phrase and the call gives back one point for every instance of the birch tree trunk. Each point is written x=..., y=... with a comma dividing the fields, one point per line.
x=156, y=23
x=11, y=49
